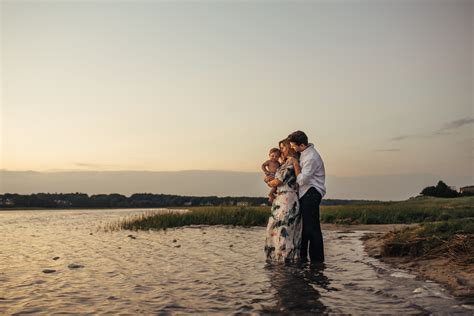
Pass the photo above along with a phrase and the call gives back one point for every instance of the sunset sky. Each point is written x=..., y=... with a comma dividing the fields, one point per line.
x=381, y=87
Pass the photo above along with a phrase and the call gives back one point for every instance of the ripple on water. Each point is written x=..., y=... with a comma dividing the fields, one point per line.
x=215, y=269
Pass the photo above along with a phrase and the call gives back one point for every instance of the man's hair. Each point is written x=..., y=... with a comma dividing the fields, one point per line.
x=274, y=150
x=298, y=137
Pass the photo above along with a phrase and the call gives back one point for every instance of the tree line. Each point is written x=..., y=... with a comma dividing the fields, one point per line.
x=114, y=200
x=137, y=200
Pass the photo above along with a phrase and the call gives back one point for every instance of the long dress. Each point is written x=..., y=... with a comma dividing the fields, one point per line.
x=285, y=225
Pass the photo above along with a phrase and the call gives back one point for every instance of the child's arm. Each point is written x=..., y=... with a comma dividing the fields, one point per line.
x=264, y=167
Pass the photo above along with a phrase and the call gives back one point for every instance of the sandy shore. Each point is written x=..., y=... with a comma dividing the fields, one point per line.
x=457, y=277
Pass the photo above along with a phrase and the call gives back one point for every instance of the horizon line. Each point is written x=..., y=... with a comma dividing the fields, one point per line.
x=207, y=170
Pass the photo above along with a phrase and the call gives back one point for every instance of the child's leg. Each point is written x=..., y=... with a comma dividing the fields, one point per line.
x=271, y=195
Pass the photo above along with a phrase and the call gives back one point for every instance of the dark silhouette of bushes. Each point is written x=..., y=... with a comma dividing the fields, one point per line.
x=440, y=190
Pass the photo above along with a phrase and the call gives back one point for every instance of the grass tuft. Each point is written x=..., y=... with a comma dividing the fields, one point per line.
x=453, y=238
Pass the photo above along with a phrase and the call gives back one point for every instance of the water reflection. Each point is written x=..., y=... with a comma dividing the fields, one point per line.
x=297, y=287
x=198, y=270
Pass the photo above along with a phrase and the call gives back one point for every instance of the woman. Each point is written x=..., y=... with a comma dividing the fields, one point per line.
x=284, y=227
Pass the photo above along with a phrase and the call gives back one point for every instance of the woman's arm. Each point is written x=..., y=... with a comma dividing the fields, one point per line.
x=274, y=183
x=296, y=165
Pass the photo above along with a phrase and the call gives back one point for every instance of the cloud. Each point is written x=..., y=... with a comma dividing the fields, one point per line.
x=93, y=165
x=402, y=138
x=443, y=131
x=85, y=164
x=387, y=150
x=456, y=124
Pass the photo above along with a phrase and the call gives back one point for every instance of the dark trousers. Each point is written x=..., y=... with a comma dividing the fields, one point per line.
x=309, y=207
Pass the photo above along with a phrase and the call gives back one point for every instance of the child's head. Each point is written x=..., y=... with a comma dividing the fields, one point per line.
x=274, y=154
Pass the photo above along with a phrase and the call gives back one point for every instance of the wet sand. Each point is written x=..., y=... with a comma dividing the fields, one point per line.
x=457, y=277
x=381, y=228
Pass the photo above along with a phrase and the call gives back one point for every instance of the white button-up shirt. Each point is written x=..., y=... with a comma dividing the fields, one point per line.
x=312, y=172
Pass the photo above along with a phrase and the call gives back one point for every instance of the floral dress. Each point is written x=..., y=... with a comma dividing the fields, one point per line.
x=285, y=224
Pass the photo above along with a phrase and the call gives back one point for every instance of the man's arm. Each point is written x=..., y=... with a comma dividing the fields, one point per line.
x=308, y=168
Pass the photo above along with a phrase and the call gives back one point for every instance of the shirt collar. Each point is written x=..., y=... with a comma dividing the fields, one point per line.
x=307, y=150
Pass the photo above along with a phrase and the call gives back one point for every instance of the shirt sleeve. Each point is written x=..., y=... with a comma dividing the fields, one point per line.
x=308, y=168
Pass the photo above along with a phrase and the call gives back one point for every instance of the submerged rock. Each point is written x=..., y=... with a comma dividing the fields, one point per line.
x=75, y=266
x=55, y=258
x=49, y=271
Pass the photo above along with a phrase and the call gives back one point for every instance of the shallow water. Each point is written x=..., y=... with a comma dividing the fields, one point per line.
x=184, y=270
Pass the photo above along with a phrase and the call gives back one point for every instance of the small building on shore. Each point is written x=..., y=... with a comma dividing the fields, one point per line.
x=468, y=190
x=7, y=202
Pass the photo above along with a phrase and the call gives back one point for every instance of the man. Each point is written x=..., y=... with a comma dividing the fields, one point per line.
x=310, y=178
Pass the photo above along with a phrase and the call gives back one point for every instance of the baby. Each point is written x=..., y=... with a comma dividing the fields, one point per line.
x=270, y=167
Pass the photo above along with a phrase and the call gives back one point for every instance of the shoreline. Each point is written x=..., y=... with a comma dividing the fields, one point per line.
x=378, y=228
x=457, y=277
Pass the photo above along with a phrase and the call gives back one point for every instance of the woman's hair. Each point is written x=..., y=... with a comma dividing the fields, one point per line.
x=291, y=152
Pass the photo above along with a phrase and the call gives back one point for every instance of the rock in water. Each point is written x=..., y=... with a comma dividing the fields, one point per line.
x=49, y=271
x=55, y=258
x=75, y=266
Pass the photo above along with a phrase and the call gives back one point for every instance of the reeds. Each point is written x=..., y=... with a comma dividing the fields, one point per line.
x=235, y=216
x=453, y=239
x=405, y=212
x=417, y=210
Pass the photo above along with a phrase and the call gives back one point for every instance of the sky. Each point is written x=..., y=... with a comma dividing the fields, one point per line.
x=382, y=88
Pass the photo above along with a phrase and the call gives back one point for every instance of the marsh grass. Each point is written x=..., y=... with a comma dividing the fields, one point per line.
x=417, y=210
x=453, y=238
x=235, y=216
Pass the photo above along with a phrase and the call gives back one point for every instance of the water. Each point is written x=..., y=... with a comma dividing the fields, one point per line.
x=191, y=270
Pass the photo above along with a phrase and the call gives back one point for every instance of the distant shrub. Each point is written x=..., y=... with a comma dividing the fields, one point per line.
x=440, y=190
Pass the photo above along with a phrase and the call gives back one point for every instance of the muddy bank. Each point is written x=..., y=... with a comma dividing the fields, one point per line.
x=454, y=273
x=373, y=228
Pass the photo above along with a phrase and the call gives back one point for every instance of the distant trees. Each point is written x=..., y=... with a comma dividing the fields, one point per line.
x=137, y=200
x=145, y=200
x=440, y=190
